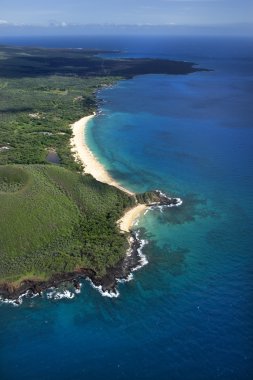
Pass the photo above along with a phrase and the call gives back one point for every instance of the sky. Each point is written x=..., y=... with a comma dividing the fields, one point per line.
x=69, y=13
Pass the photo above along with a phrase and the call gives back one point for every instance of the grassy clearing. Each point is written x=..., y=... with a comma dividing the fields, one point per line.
x=12, y=179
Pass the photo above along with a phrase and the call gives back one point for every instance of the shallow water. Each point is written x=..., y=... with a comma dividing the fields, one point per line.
x=188, y=313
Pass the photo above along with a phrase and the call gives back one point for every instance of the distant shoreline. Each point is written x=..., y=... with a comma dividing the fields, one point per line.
x=69, y=64
x=92, y=166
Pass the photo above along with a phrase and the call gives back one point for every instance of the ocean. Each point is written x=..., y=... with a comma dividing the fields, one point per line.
x=187, y=314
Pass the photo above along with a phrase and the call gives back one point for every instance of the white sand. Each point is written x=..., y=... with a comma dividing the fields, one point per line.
x=82, y=152
x=128, y=219
x=95, y=168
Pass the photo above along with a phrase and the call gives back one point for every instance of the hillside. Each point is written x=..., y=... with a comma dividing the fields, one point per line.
x=53, y=219
x=56, y=221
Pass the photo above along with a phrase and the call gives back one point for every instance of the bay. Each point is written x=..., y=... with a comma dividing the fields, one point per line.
x=188, y=313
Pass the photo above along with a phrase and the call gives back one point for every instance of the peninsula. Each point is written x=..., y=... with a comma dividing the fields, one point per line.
x=63, y=218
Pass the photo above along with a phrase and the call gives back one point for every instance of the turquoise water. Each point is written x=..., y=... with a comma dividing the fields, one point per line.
x=188, y=313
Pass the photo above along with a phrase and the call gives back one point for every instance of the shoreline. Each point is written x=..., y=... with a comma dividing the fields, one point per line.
x=133, y=260
x=92, y=166
x=82, y=152
x=126, y=222
x=106, y=285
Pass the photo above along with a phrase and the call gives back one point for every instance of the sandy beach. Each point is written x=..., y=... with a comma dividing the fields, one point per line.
x=128, y=219
x=83, y=153
x=95, y=168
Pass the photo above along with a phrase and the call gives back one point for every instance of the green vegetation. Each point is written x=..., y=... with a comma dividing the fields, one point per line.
x=43, y=91
x=54, y=219
x=12, y=179
x=36, y=113
x=147, y=197
x=17, y=62
x=57, y=221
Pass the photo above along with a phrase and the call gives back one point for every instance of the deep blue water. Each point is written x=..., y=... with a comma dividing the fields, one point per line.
x=188, y=314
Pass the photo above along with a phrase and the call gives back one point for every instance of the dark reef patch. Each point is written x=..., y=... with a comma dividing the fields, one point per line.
x=192, y=208
x=169, y=258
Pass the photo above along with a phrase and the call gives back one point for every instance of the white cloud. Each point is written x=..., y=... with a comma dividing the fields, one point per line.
x=3, y=22
x=62, y=24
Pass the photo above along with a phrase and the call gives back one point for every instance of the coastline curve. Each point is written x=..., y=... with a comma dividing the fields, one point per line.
x=83, y=153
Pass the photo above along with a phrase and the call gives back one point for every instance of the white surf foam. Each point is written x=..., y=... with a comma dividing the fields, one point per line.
x=143, y=258
x=142, y=262
x=127, y=279
x=56, y=294
x=16, y=302
x=106, y=293
x=161, y=207
x=78, y=290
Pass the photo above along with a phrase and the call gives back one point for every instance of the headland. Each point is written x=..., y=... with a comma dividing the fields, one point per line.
x=85, y=220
